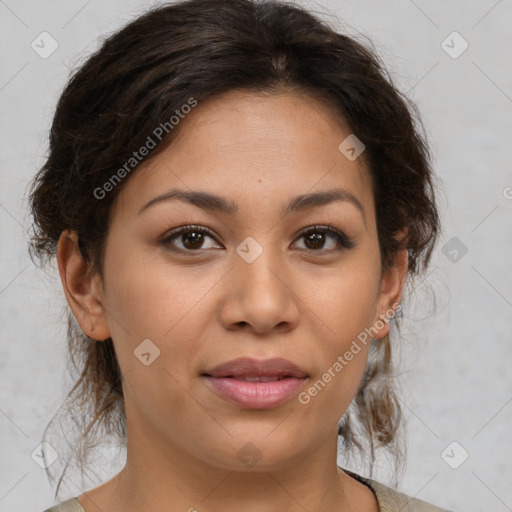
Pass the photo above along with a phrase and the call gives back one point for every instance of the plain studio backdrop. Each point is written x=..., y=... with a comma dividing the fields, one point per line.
x=452, y=58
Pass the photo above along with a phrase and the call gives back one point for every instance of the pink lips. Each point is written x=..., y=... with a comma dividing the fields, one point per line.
x=269, y=383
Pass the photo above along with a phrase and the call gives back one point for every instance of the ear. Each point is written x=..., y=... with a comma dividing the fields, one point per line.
x=391, y=290
x=82, y=288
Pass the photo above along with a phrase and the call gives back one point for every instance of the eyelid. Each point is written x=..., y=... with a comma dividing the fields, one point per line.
x=341, y=238
x=345, y=241
x=184, y=229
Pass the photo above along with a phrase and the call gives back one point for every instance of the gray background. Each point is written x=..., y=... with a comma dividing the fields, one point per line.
x=455, y=358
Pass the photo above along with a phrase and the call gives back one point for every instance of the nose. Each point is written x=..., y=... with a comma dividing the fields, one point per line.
x=260, y=296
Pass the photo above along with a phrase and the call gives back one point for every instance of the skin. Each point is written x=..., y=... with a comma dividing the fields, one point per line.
x=298, y=301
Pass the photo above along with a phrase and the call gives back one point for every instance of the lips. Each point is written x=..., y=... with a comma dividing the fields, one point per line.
x=266, y=370
x=253, y=384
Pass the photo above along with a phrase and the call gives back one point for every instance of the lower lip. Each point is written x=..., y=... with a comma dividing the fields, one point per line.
x=256, y=395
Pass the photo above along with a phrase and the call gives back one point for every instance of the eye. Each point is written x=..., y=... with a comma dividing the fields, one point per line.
x=191, y=238
x=315, y=238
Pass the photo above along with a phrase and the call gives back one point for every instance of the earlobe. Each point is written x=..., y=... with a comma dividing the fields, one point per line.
x=81, y=287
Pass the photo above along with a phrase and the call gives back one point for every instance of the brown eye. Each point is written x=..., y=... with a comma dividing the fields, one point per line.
x=195, y=238
x=315, y=240
x=316, y=237
x=188, y=238
x=192, y=239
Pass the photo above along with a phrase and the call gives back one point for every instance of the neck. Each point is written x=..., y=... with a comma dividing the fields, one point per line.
x=170, y=478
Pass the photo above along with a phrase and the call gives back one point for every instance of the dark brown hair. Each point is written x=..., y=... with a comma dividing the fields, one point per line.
x=199, y=49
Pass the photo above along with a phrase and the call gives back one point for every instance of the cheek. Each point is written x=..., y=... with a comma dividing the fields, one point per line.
x=342, y=307
x=151, y=300
x=345, y=299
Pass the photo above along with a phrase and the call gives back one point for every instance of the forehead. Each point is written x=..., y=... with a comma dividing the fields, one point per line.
x=254, y=148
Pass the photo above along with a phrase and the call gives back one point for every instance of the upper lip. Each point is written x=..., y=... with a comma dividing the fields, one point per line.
x=248, y=367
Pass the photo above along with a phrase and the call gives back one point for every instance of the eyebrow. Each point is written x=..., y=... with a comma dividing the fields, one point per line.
x=212, y=202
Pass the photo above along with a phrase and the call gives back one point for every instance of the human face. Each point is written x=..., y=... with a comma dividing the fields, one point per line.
x=201, y=302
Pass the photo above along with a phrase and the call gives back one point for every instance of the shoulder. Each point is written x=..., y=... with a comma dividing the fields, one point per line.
x=391, y=500
x=71, y=505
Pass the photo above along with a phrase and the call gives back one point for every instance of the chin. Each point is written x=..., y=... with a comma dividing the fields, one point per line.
x=256, y=456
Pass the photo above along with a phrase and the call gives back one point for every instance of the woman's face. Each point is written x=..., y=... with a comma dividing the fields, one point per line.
x=253, y=286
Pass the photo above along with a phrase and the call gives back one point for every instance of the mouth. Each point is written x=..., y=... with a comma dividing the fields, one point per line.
x=253, y=378
x=253, y=384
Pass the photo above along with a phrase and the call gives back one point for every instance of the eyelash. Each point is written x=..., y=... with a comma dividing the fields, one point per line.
x=341, y=239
